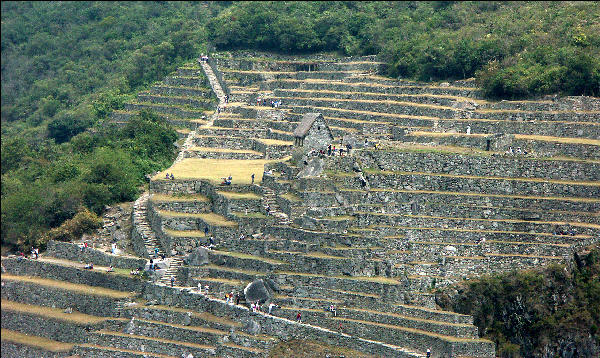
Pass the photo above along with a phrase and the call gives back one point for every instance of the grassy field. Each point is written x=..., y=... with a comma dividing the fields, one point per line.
x=217, y=169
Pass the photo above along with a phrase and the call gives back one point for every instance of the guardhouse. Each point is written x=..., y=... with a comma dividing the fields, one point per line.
x=313, y=132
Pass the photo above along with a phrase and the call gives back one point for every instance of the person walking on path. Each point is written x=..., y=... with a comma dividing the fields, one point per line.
x=428, y=353
x=299, y=317
x=252, y=178
x=172, y=280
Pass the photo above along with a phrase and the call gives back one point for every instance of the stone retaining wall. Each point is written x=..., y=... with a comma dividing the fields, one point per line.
x=468, y=184
x=10, y=349
x=166, y=109
x=589, y=130
x=34, y=294
x=186, y=81
x=284, y=329
x=183, y=206
x=182, y=91
x=462, y=164
x=176, y=101
x=134, y=343
x=69, y=251
x=71, y=274
x=367, y=85
x=54, y=329
x=222, y=155
x=449, y=198
x=535, y=148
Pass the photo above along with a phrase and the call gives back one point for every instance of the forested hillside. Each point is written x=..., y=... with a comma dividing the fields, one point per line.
x=549, y=312
x=514, y=49
x=67, y=65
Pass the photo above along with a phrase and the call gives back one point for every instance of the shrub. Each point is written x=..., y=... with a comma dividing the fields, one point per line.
x=84, y=222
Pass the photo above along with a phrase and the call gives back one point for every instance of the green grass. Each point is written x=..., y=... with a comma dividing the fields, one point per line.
x=252, y=215
x=290, y=197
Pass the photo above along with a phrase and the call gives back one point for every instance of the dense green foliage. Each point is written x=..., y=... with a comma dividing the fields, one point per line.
x=65, y=67
x=52, y=184
x=525, y=311
x=514, y=49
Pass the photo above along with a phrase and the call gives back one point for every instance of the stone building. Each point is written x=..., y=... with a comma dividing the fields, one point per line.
x=313, y=132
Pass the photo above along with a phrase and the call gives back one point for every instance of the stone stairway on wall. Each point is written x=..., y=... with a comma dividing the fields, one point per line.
x=142, y=230
x=272, y=208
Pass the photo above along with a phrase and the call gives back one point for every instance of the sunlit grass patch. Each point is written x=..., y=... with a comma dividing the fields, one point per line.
x=215, y=170
x=35, y=341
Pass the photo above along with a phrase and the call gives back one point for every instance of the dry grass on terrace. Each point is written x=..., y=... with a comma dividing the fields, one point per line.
x=406, y=116
x=231, y=269
x=534, y=180
x=579, y=236
x=169, y=198
x=161, y=340
x=223, y=150
x=320, y=255
x=377, y=279
x=184, y=233
x=297, y=348
x=407, y=317
x=239, y=196
x=123, y=350
x=454, y=193
x=268, y=141
x=215, y=170
x=84, y=289
x=52, y=313
x=397, y=95
x=220, y=280
x=248, y=257
x=249, y=349
x=580, y=224
x=35, y=341
x=388, y=101
x=412, y=330
x=568, y=140
x=201, y=315
x=209, y=218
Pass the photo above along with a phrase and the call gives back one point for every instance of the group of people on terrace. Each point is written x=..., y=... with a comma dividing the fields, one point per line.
x=517, y=151
x=264, y=102
x=227, y=181
x=170, y=176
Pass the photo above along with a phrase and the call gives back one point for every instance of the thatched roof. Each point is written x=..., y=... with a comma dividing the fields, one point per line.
x=307, y=121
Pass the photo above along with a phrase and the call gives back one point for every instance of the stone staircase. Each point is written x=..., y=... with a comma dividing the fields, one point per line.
x=175, y=262
x=272, y=208
x=142, y=228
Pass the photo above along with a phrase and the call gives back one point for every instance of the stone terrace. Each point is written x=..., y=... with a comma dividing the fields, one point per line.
x=417, y=204
x=429, y=195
